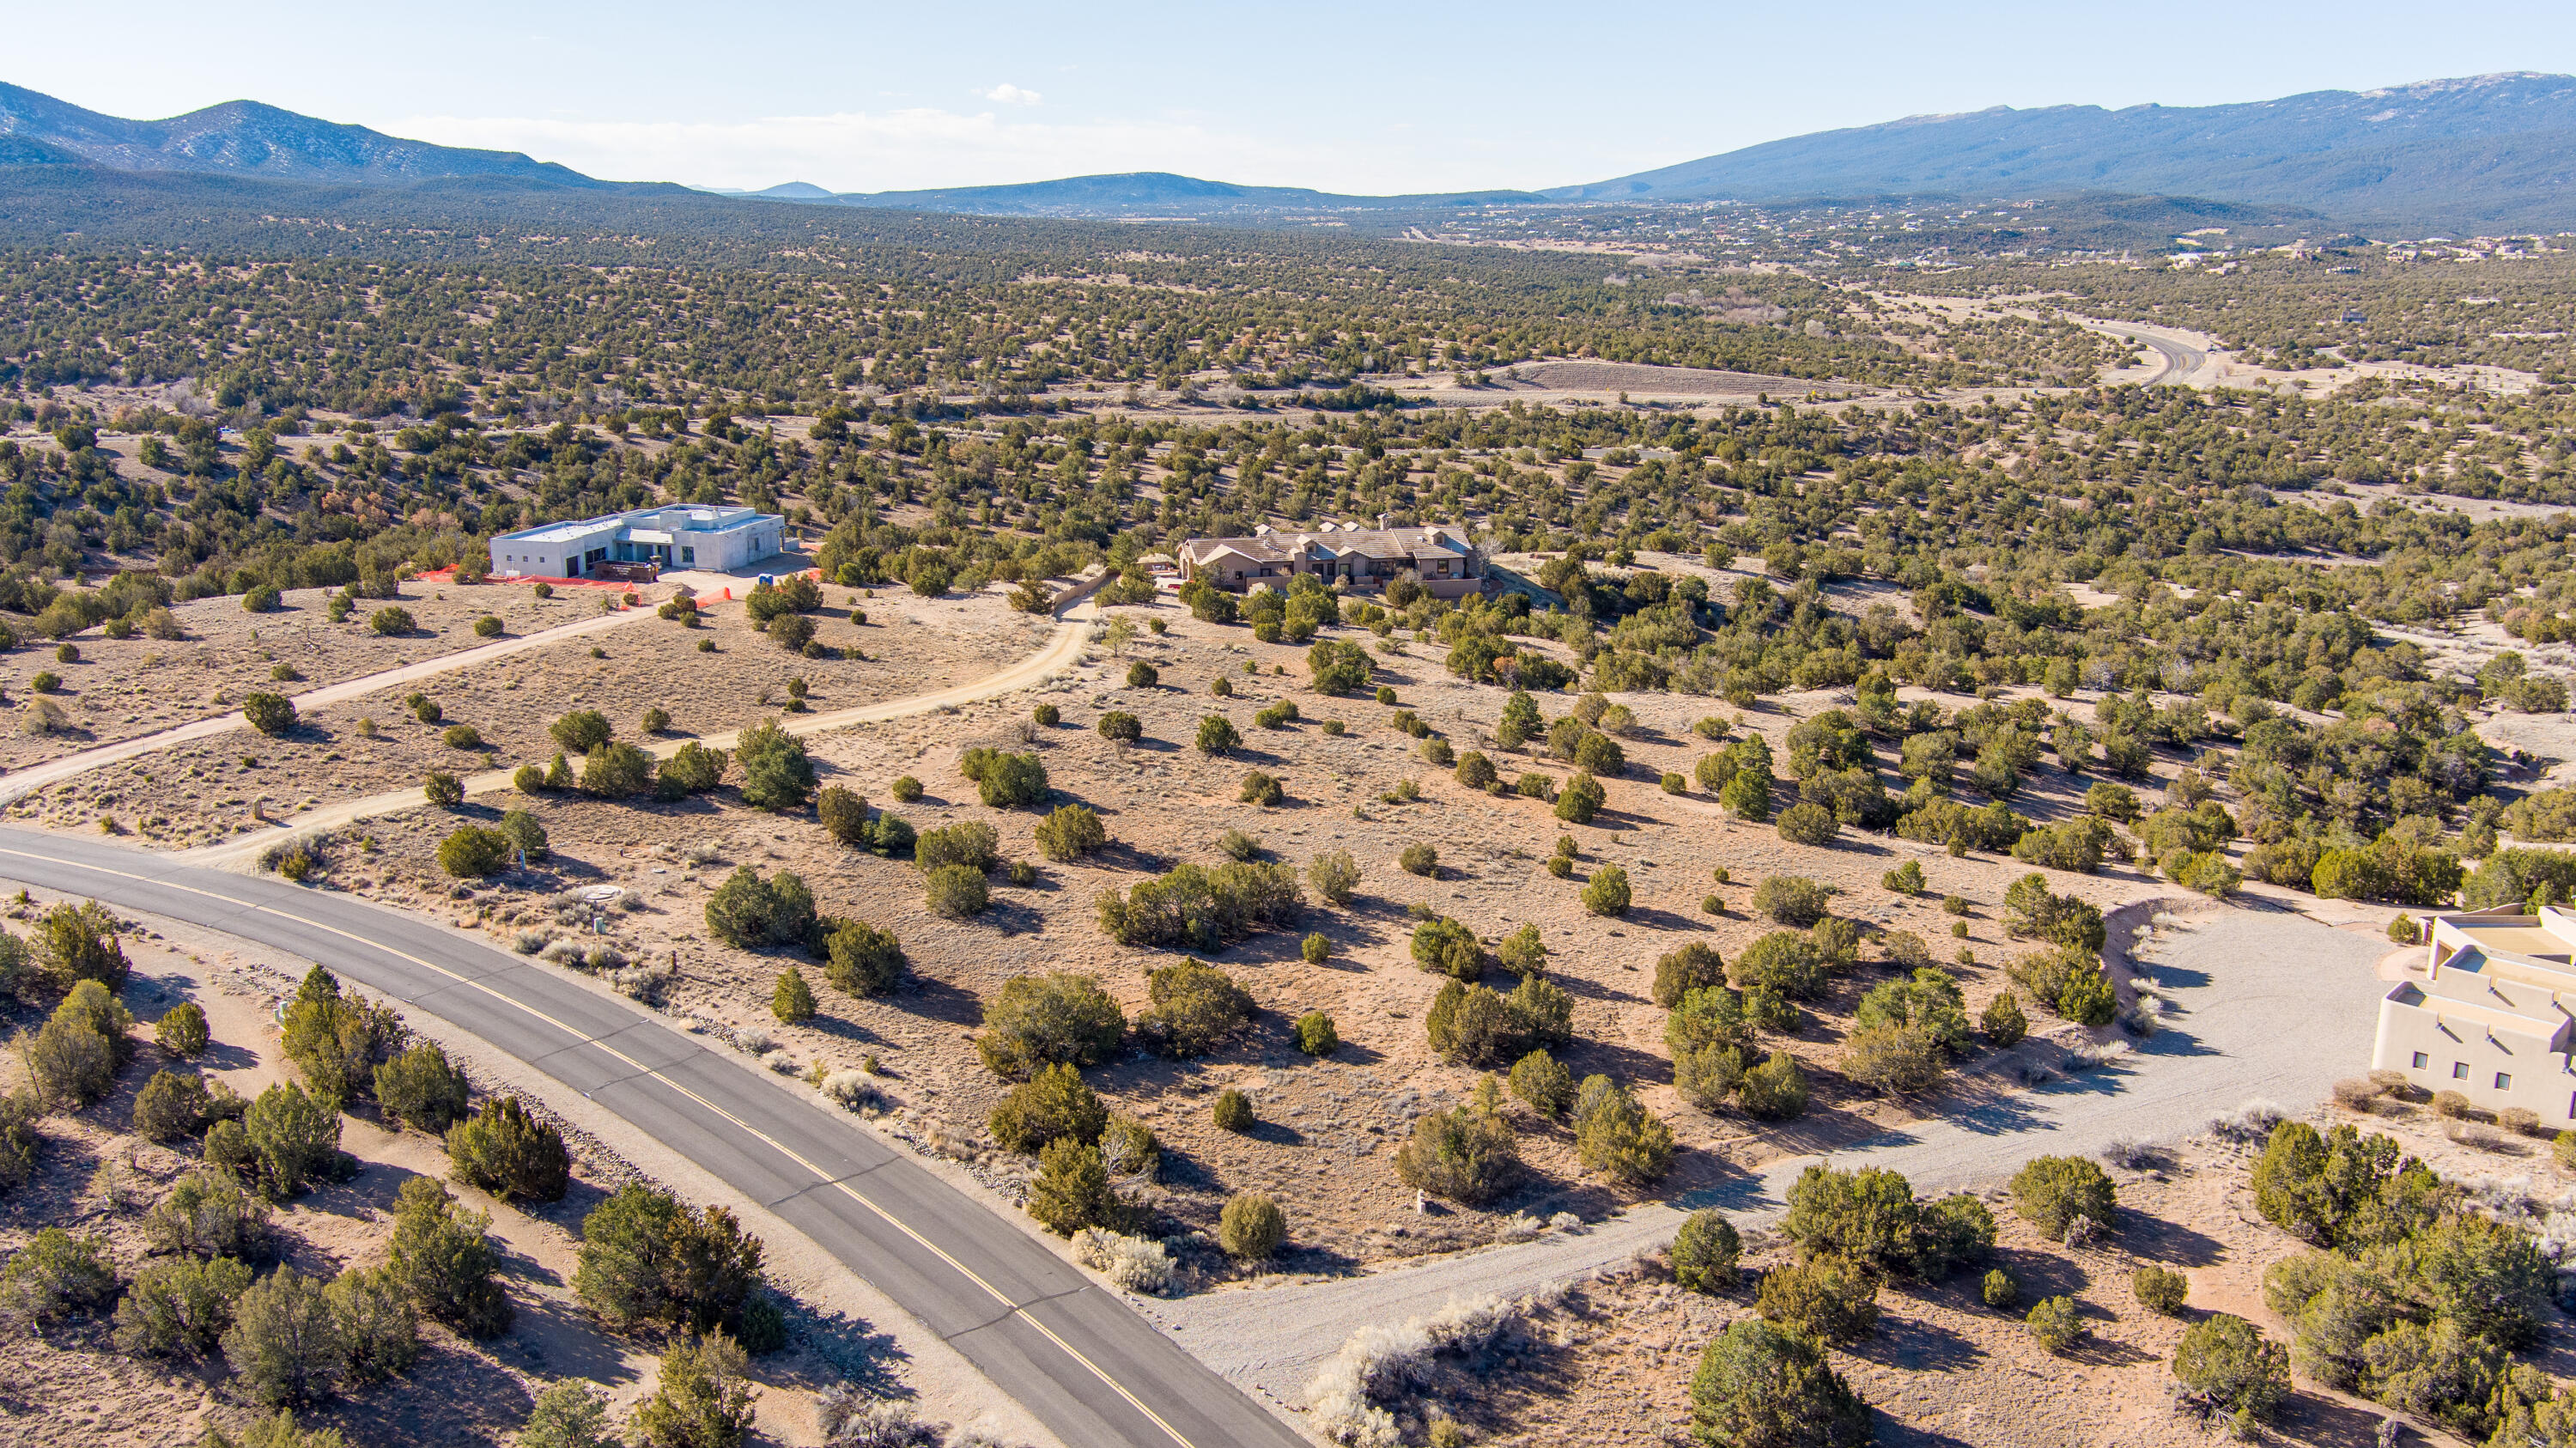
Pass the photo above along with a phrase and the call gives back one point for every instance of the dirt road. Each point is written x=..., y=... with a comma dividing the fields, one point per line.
x=1063, y=648
x=53, y=771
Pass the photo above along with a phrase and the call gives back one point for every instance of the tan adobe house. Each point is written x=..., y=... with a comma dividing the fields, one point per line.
x=1360, y=558
x=2491, y=1016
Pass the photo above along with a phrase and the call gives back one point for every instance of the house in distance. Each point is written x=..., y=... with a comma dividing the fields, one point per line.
x=1360, y=558
x=621, y=545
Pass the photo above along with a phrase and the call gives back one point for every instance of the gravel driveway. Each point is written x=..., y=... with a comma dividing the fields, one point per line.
x=2268, y=1003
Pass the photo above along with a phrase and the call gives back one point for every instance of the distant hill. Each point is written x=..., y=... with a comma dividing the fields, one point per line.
x=2491, y=152
x=1142, y=193
x=245, y=138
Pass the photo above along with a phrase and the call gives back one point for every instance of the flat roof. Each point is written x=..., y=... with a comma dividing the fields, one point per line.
x=696, y=518
x=561, y=532
x=2535, y=1025
x=2515, y=937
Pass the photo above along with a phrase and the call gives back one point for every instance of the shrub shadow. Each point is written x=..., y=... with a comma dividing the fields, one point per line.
x=1895, y=1434
x=831, y=1346
x=1011, y=917
x=559, y=1339
x=1179, y=1169
x=2314, y=1418
x=2170, y=1243
x=1657, y=919
x=456, y=1396
x=1916, y=1345
x=1320, y=1261
x=1118, y=854
x=2105, y=1351
x=939, y=1001
x=2038, y=1275
x=840, y=1029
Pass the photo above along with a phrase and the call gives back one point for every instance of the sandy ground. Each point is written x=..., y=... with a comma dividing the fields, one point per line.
x=2547, y=742
x=1595, y=384
x=2265, y=1004
x=466, y=1393
x=2217, y=367
x=1329, y=1126
x=233, y=722
x=1614, y=1345
x=203, y=790
x=1060, y=646
x=1944, y=1370
x=1638, y=377
x=121, y=688
x=2476, y=510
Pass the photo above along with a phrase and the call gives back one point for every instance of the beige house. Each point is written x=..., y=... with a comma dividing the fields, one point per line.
x=2491, y=1017
x=1360, y=558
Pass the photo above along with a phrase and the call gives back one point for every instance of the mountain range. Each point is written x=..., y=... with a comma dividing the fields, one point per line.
x=245, y=138
x=2493, y=148
x=1134, y=194
x=2489, y=153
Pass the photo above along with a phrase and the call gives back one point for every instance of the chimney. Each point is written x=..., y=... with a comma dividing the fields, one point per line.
x=1381, y=522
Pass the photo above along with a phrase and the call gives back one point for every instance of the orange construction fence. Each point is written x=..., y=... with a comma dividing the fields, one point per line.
x=725, y=594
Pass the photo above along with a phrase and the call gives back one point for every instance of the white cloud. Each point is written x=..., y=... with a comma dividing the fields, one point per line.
x=892, y=150
x=1011, y=95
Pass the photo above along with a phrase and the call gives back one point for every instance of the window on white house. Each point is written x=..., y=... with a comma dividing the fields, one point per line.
x=2420, y=1061
x=2459, y=1070
x=2504, y=1081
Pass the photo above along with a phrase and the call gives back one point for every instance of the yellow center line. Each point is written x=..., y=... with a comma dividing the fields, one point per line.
x=826, y=1178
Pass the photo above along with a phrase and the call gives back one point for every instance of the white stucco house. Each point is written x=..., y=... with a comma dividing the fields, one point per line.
x=2491, y=1017
x=680, y=535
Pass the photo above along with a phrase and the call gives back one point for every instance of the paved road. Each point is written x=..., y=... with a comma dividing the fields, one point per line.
x=36, y=776
x=2182, y=360
x=2271, y=1004
x=1063, y=647
x=1073, y=1353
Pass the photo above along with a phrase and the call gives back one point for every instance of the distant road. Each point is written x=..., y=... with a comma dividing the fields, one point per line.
x=2182, y=361
x=1071, y=1352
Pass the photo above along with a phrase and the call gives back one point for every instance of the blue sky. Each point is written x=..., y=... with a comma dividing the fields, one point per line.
x=1344, y=97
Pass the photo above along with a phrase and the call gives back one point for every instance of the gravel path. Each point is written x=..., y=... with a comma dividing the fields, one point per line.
x=2269, y=1004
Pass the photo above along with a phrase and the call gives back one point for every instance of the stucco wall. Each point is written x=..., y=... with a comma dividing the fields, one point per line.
x=2541, y=1080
